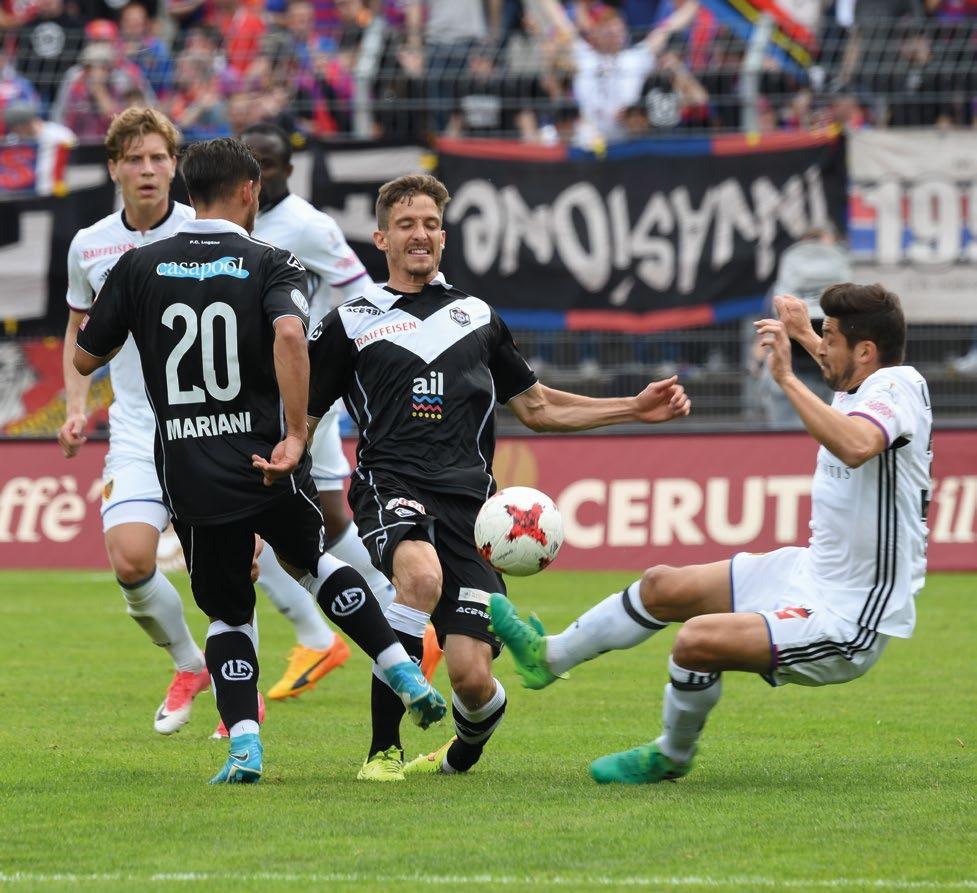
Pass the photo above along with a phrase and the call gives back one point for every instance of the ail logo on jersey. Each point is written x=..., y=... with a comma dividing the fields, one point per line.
x=427, y=398
x=225, y=266
x=460, y=317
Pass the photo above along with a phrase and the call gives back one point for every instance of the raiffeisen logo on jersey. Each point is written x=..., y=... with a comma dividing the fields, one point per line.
x=427, y=399
x=225, y=266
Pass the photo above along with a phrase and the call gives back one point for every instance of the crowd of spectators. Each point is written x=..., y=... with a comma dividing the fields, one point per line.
x=547, y=71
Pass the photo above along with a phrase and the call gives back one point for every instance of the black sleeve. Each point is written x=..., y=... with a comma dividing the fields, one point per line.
x=284, y=289
x=331, y=364
x=106, y=326
x=510, y=371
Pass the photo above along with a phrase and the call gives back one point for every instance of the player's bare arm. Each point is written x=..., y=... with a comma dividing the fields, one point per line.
x=852, y=439
x=71, y=437
x=792, y=312
x=541, y=408
x=292, y=371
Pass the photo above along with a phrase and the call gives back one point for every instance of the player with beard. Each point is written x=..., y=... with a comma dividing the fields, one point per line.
x=230, y=444
x=818, y=615
x=421, y=366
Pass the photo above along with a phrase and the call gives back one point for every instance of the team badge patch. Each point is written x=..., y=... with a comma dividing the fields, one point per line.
x=460, y=317
x=298, y=299
x=107, y=489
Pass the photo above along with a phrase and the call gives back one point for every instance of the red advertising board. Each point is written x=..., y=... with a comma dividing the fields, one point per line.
x=627, y=502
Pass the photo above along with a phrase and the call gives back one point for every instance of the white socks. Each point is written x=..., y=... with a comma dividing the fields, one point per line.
x=350, y=548
x=294, y=602
x=689, y=696
x=155, y=605
x=620, y=621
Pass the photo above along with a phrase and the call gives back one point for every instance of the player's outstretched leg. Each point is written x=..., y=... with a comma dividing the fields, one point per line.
x=344, y=596
x=318, y=650
x=689, y=697
x=526, y=642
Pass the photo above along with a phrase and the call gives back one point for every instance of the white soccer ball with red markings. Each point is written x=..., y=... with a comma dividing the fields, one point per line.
x=519, y=531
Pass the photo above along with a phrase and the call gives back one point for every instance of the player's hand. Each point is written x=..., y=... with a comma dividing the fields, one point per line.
x=663, y=400
x=72, y=434
x=284, y=458
x=259, y=546
x=793, y=313
x=774, y=340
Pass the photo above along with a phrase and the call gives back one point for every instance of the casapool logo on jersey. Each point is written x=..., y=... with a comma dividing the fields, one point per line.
x=427, y=397
x=225, y=266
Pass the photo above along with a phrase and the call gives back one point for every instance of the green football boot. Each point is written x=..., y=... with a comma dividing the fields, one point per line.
x=644, y=764
x=526, y=641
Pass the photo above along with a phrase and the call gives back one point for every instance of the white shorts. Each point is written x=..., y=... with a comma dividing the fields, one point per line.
x=809, y=644
x=329, y=466
x=131, y=493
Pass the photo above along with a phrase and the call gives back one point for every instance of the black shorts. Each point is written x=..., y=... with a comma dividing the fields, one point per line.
x=219, y=556
x=388, y=510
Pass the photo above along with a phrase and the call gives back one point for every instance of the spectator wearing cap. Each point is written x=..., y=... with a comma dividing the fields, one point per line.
x=23, y=123
x=143, y=48
x=93, y=92
x=47, y=46
x=14, y=87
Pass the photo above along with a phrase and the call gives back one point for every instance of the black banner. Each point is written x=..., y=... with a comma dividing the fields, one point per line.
x=688, y=226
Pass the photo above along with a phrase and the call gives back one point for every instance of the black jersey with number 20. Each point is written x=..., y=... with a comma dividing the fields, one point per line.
x=201, y=306
x=421, y=375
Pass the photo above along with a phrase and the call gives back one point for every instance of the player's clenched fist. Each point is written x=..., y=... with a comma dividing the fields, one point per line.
x=72, y=434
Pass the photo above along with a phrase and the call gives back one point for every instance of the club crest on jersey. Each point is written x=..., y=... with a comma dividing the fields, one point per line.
x=298, y=299
x=427, y=397
x=224, y=266
x=460, y=317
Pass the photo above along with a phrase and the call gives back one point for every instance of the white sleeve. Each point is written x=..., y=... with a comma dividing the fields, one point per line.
x=80, y=295
x=327, y=253
x=889, y=407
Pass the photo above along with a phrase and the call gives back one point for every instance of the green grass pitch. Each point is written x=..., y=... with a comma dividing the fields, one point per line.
x=866, y=786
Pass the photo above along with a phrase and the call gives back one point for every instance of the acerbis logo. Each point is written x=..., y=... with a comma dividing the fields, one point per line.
x=349, y=601
x=237, y=670
x=225, y=266
x=369, y=309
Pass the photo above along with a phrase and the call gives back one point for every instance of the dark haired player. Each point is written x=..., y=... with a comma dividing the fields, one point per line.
x=818, y=615
x=219, y=321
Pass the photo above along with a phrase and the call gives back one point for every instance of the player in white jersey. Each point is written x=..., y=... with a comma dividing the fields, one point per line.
x=812, y=616
x=336, y=275
x=141, y=146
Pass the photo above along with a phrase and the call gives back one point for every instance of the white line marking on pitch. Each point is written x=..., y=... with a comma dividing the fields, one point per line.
x=493, y=880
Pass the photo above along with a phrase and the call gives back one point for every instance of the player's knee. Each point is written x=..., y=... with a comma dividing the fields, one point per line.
x=473, y=684
x=658, y=592
x=420, y=586
x=697, y=646
x=133, y=568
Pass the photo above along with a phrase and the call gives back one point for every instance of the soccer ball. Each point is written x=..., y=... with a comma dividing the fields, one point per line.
x=519, y=531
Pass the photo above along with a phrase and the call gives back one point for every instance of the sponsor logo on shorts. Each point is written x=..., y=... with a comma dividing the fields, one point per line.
x=794, y=613
x=478, y=596
x=349, y=601
x=183, y=269
x=405, y=507
x=460, y=317
x=298, y=299
x=464, y=609
x=237, y=670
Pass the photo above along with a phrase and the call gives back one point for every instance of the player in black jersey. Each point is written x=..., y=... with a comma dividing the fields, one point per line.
x=219, y=320
x=421, y=366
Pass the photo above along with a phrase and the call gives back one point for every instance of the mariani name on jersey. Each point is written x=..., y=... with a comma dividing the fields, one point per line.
x=209, y=425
